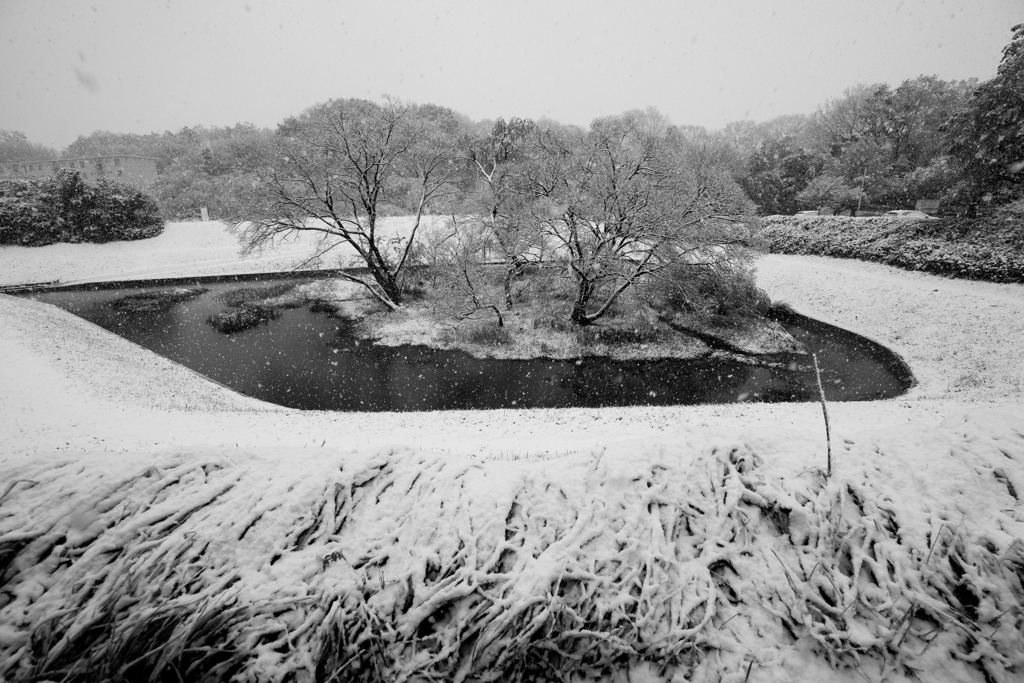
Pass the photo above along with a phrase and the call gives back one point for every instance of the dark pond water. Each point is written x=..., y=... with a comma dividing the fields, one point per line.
x=309, y=360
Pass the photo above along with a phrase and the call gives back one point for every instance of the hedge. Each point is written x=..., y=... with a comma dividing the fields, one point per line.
x=62, y=208
x=980, y=249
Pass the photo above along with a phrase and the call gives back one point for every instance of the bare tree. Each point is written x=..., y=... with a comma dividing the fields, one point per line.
x=464, y=287
x=494, y=202
x=337, y=165
x=630, y=200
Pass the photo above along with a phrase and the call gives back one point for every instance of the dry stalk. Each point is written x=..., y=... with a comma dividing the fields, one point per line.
x=824, y=409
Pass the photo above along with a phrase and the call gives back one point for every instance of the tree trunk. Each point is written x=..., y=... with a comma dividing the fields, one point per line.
x=584, y=291
x=497, y=312
x=394, y=292
x=389, y=287
x=509, y=273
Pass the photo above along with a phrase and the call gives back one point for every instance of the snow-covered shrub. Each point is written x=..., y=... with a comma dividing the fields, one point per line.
x=62, y=208
x=121, y=212
x=25, y=215
x=725, y=289
x=242, y=318
x=980, y=249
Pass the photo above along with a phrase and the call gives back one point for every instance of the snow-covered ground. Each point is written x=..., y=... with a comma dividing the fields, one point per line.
x=93, y=430
x=194, y=248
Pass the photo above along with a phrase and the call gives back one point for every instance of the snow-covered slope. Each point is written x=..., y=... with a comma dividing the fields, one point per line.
x=695, y=558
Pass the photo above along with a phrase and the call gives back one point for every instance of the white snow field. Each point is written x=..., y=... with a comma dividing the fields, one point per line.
x=152, y=521
x=194, y=248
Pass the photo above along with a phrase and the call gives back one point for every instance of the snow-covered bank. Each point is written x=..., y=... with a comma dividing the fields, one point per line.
x=700, y=558
x=182, y=250
x=962, y=338
x=700, y=537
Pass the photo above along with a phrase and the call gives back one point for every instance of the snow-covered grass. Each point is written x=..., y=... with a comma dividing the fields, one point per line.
x=687, y=542
x=695, y=558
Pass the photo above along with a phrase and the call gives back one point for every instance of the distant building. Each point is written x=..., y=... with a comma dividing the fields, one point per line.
x=137, y=171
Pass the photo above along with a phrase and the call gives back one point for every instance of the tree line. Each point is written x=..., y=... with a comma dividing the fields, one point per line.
x=876, y=145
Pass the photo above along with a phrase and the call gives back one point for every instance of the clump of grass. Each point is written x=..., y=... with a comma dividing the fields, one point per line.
x=484, y=335
x=252, y=306
x=247, y=296
x=242, y=318
x=323, y=306
x=642, y=333
x=552, y=322
x=174, y=641
x=780, y=308
x=152, y=302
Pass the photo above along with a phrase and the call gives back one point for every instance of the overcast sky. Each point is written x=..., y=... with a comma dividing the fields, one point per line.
x=70, y=67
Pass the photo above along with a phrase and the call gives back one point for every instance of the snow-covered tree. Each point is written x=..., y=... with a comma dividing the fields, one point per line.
x=629, y=200
x=15, y=147
x=987, y=135
x=494, y=203
x=337, y=165
x=830, y=192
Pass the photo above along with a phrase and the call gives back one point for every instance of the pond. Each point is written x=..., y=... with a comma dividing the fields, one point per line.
x=310, y=360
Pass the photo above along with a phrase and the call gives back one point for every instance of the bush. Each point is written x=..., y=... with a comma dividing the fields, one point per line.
x=62, y=208
x=242, y=318
x=724, y=290
x=979, y=249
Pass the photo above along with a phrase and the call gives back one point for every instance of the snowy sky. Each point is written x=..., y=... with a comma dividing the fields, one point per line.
x=70, y=67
